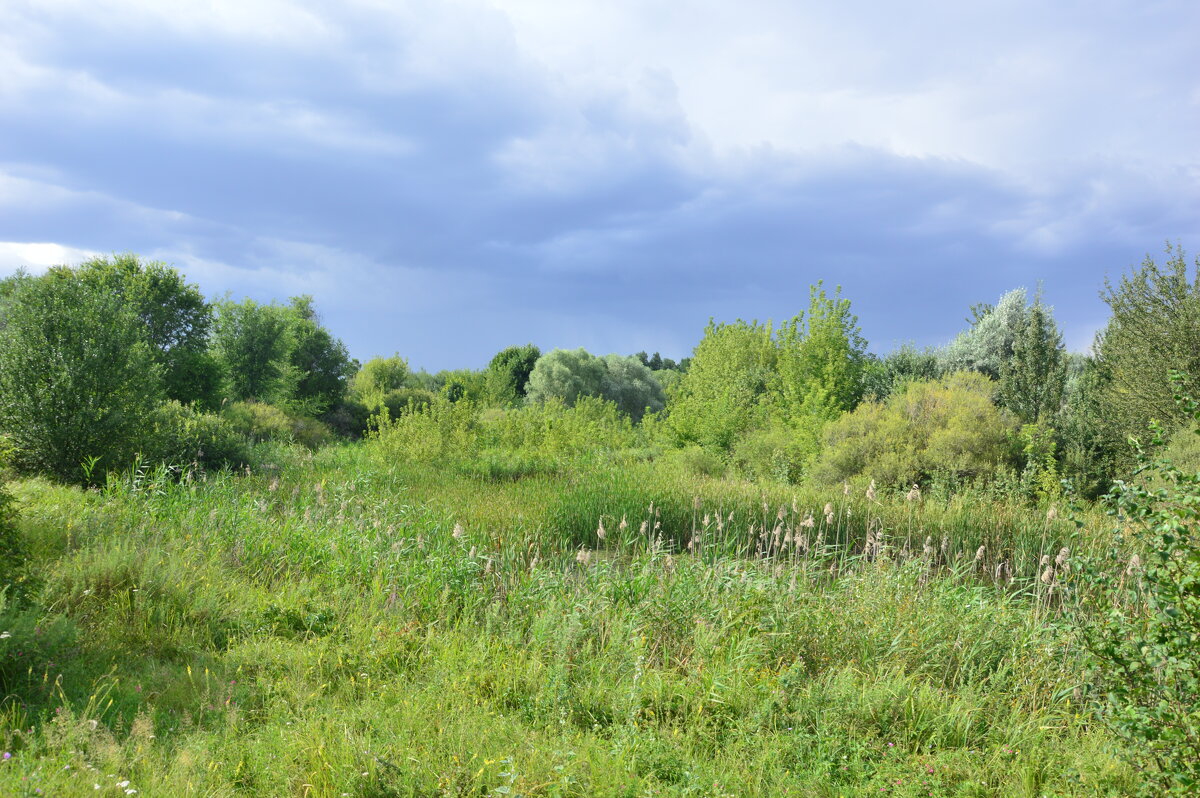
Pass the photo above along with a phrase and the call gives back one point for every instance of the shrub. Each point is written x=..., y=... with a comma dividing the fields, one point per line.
x=948, y=426
x=77, y=376
x=774, y=453
x=261, y=422
x=1144, y=640
x=182, y=435
x=406, y=400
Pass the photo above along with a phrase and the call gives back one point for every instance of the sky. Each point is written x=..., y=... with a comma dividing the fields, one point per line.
x=450, y=177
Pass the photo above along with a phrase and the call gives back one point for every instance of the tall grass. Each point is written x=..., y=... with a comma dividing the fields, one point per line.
x=352, y=621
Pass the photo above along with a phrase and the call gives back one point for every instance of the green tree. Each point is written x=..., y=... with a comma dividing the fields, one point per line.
x=1154, y=329
x=884, y=376
x=177, y=318
x=253, y=343
x=1033, y=378
x=1141, y=622
x=508, y=373
x=320, y=360
x=820, y=361
x=380, y=375
x=568, y=375
x=78, y=378
x=724, y=392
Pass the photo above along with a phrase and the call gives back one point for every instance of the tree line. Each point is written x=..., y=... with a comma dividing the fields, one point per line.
x=119, y=358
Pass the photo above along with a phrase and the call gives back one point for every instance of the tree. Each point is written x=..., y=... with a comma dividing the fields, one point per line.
x=1155, y=328
x=1033, y=378
x=570, y=374
x=320, y=360
x=177, y=319
x=78, y=378
x=821, y=359
x=989, y=342
x=631, y=386
x=508, y=373
x=884, y=376
x=380, y=375
x=724, y=391
x=253, y=343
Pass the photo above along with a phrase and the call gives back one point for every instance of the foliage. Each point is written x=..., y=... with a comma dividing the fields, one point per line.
x=253, y=343
x=946, y=426
x=1089, y=449
x=261, y=422
x=1154, y=328
x=1146, y=642
x=1033, y=379
x=182, y=435
x=567, y=375
x=378, y=376
x=989, y=342
x=178, y=321
x=820, y=360
x=884, y=376
x=320, y=360
x=724, y=392
x=77, y=377
x=508, y=373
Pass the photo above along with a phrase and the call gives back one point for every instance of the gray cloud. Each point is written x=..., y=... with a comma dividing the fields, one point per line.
x=447, y=180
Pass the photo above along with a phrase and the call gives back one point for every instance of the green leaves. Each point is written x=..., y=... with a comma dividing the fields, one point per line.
x=1146, y=649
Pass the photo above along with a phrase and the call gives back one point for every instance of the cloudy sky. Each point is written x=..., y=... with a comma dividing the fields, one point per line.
x=448, y=177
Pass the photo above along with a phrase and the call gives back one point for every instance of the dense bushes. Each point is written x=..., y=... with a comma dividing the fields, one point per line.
x=1144, y=645
x=262, y=422
x=948, y=426
x=182, y=435
x=568, y=375
x=77, y=376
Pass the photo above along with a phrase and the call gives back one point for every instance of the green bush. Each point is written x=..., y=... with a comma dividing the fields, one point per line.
x=182, y=435
x=405, y=400
x=77, y=376
x=1145, y=639
x=775, y=453
x=261, y=422
x=949, y=427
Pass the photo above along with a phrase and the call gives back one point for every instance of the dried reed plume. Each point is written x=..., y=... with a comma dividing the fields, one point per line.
x=871, y=491
x=458, y=531
x=600, y=531
x=913, y=495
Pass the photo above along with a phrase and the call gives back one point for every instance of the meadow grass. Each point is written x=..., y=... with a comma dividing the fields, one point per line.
x=352, y=623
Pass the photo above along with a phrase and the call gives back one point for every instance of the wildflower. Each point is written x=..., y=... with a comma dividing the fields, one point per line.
x=7, y=755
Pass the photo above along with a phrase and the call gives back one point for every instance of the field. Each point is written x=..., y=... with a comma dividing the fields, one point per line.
x=357, y=622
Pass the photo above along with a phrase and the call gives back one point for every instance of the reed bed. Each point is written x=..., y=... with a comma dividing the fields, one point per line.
x=345, y=623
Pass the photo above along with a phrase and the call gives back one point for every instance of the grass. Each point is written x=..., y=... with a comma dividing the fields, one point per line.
x=349, y=623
